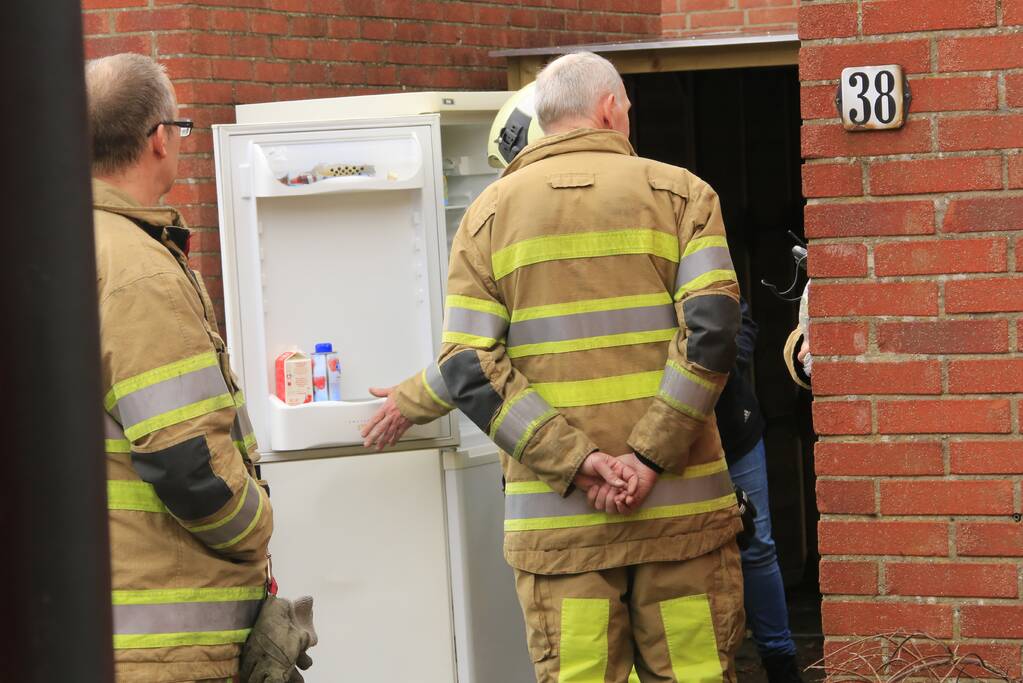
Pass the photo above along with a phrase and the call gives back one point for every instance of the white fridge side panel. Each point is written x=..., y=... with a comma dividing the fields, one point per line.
x=490, y=633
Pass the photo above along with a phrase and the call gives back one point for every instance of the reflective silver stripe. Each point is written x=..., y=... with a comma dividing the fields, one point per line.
x=476, y=323
x=667, y=492
x=185, y=617
x=220, y=533
x=517, y=424
x=113, y=436
x=242, y=427
x=111, y=430
x=592, y=324
x=435, y=381
x=171, y=394
x=687, y=392
x=703, y=261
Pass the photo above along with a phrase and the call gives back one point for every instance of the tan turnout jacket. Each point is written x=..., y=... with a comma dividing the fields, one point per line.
x=592, y=304
x=189, y=523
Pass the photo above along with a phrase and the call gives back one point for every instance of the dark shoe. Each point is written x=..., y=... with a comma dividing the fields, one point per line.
x=782, y=669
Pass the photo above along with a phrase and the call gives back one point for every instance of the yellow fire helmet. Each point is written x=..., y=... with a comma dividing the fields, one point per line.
x=514, y=127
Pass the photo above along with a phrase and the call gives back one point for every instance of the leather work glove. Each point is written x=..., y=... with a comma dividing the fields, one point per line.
x=748, y=513
x=276, y=648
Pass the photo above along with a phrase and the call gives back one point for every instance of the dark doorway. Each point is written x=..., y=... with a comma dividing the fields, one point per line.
x=738, y=129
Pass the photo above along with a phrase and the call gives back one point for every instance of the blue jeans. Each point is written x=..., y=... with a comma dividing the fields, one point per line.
x=766, y=612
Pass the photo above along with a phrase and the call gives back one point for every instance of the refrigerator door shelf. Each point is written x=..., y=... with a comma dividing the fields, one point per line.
x=393, y=162
x=329, y=423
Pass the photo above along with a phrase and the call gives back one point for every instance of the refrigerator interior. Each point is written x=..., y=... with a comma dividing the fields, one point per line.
x=355, y=260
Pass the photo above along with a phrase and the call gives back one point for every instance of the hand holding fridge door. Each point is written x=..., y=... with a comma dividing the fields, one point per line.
x=387, y=424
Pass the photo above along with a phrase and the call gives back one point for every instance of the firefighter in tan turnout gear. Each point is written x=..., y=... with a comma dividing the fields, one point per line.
x=189, y=522
x=591, y=318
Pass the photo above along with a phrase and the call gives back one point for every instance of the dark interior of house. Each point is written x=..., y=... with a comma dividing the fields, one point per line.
x=738, y=129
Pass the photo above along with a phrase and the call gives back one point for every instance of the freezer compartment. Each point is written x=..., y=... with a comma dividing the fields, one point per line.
x=329, y=423
x=391, y=162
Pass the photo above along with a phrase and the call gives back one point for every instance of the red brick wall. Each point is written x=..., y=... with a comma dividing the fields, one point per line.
x=916, y=253
x=226, y=52
x=688, y=17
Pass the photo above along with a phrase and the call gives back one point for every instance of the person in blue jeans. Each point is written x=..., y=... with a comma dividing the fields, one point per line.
x=741, y=425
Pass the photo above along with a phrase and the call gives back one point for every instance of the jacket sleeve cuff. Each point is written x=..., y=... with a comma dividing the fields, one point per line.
x=415, y=403
x=790, y=352
x=664, y=436
x=650, y=463
x=556, y=452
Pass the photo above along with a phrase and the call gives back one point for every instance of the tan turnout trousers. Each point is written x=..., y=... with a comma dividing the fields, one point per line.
x=675, y=621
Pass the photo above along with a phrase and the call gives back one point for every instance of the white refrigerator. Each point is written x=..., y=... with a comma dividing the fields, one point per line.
x=336, y=217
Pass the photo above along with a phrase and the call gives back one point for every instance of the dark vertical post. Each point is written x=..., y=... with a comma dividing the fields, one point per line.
x=54, y=554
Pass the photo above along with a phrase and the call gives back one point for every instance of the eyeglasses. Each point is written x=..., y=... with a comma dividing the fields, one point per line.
x=184, y=124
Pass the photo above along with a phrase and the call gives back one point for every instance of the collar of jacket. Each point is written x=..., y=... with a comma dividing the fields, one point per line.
x=578, y=140
x=163, y=223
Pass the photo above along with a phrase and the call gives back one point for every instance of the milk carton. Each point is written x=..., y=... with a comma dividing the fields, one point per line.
x=294, y=375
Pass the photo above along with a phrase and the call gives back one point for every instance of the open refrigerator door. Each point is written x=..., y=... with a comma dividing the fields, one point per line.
x=402, y=550
x=331, y=233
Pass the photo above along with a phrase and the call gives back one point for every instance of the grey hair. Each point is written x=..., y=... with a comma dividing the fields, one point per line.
x=127, y=95
x=572, y=85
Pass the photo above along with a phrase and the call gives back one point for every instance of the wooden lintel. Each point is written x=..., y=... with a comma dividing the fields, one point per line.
x=523, y=69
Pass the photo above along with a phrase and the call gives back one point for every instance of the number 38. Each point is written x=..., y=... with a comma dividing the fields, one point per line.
x=873, y=97
x=883, y=105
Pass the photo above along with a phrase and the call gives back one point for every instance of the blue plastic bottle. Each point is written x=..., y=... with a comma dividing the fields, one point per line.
x=326, y=373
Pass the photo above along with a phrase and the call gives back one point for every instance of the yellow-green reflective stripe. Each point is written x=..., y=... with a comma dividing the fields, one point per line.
x=591, y=306
x=245, y=532
x=675, y=392
x=590, y=392
x=583, y=245
x=177, y=415
x=149, y=640
x=512, y=488
x=159, y=596
x=587, y=343
x=705, y=243
x=703, y=469
x=473, y=304
x=583, y=651
x=132, y=495
x=160, y=374
x=633, y=676
x=503, y=413
x=249, y=441
x=433, y=394
x=688, y=374
x=118, y=446
x=531, y=428
x=682, y=407
x=597, y=518
x=702, y=281
x=468, y=340
x=692, y=647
